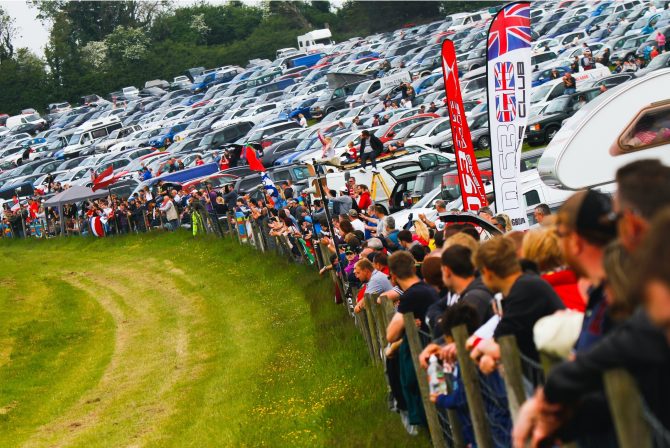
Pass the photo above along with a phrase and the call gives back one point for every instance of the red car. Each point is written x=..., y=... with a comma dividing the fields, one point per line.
x=388, y=131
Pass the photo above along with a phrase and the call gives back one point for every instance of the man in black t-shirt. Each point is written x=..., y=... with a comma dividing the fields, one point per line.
x=526, y=297
x=458, y=274
x=417, y=296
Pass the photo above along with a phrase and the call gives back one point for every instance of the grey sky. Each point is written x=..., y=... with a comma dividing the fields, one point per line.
x=34, y=35
x=31, y=32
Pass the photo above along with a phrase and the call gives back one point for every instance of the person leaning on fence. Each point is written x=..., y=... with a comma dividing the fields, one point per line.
x=571, y=403
x=634, y=210
x=376, y=282
x=493, y=386
x=525, y=299
x=416, y=298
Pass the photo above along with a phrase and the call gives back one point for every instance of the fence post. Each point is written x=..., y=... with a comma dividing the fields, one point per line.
x=625, y=403
x=365, y=329
x=372, y=327
x=388, y=310
x=473, y=391
x=415, y=347
x=379, y=320
x=511, y=361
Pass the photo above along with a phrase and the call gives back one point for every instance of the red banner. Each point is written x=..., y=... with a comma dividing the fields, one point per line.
x=472, y=188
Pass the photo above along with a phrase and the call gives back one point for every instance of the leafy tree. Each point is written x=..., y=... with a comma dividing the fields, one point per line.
x=8, y=33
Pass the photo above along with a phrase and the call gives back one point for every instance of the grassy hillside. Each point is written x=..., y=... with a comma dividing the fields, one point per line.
x=160, y=340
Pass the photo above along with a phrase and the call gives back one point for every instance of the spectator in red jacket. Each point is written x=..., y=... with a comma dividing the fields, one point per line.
x=542, y=247
x=364, y=199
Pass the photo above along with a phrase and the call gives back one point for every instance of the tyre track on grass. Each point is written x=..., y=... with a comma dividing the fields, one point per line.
x=152, y=357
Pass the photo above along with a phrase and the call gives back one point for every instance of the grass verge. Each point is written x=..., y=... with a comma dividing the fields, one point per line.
x=162, y=340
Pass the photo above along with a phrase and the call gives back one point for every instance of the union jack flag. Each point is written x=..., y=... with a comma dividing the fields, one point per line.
x=510, y=30
x=505, y=91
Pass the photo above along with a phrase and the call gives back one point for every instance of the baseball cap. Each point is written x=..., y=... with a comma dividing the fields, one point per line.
x=589, y=214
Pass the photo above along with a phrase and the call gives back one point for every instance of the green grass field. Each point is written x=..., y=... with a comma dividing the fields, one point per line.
x=162, y=340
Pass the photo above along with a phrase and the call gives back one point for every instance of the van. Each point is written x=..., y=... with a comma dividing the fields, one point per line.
x=369, y=90
x=463, y=20
x=276, y=86
x=17, y=120
x=90, y=133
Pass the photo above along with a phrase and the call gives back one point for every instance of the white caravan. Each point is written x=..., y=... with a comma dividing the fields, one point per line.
x=627, y=123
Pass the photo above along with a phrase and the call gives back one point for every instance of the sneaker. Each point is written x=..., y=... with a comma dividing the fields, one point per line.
x=375, y=170
x=412, y=430
x=362, y=170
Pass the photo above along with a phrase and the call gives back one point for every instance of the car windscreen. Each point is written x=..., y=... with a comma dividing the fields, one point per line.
x=557, y=105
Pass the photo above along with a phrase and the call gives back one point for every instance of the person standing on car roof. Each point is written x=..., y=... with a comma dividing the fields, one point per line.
x=570, y=83
x=370, y=151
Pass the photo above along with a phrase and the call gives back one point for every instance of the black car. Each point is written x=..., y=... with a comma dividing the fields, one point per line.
x=543, y=128
x=331, y=100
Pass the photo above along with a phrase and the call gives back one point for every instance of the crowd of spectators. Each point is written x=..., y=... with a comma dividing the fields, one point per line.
x=593, y=273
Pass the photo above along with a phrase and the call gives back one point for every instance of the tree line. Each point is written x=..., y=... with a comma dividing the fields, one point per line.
x=99, y=47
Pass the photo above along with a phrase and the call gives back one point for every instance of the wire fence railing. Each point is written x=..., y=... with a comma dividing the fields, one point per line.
x=491, y=402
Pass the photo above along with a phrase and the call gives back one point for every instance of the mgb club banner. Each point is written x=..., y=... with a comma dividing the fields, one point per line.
x=472, y=188
x=508, y=74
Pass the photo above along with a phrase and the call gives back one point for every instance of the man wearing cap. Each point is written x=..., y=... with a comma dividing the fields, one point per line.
x=356, y=223
x=440, y=208
x=584, y=230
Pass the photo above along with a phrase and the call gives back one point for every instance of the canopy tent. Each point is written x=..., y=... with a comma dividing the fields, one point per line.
x=72, y=194
x=75, y=194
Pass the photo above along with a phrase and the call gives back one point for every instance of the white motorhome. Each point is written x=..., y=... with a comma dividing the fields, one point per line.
x=317, y=40
x=462, y=20
x=369, y=90
x=609, y=132
x=89, y=133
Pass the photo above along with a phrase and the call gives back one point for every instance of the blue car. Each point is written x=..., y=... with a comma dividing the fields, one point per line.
x=423, y=83
x=166, y=137
x=599, y=10
x=303, y=108
x=191, y=100
x=542, y=76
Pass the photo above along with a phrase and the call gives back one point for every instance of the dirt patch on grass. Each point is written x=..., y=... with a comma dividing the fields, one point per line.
x=150, y=358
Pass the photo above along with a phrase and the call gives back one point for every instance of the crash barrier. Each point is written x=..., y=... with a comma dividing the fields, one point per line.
x=490, y=412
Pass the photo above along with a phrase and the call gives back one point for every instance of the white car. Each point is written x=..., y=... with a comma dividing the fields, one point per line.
x=432, y=134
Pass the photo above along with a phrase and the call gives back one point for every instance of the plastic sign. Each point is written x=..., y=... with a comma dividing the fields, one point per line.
x=508, y=77
x=472, y=188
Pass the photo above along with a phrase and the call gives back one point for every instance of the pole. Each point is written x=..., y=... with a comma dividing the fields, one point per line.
x=331, y=229
x=216, y=215
x=111, y=205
